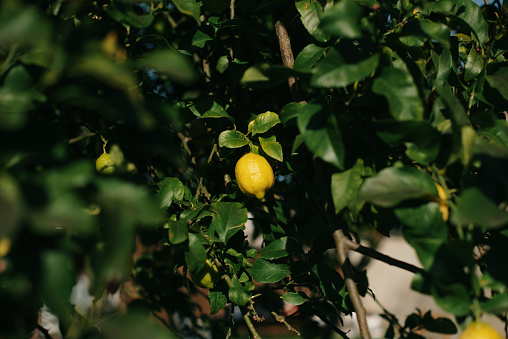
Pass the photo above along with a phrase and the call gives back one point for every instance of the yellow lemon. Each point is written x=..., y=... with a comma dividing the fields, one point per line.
x=480, y=330
x=105, y=164
x=443, y=206
x=208, y=276
x=254, y=175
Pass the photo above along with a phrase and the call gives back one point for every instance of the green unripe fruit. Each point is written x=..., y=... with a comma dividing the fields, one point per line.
x=208, y=276
x=105, y=164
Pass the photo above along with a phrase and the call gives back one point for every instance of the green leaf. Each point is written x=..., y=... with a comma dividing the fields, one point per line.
x=293, y=298
x=473, y=207
x=474, y=65
x=123, y=12
x=452, y=297
x=290, y=111
x=178, y=231
x=57, y=281
x=439, y=325
x=424, y=229
x=217, y=301
x=276, y=249
x=189, y=7
x=232, y=139
x=170, y=190
x=336, y=71
x=171, y=63
x=263, y=122
x=400, y=91
x=498, y=304
x=18, y=95
x=228, y=218
x=423, y=142
x=200, y=39
x=321, y=133
x=346, y=185
x=344, y=19
x=393, y=185
x=267, y=272
x=195, y=258
x=271, y=147
x=207, y=107
x=237, y=293
x=308, y=57
x=310, y=13
x=499, y=81
x=265, y=76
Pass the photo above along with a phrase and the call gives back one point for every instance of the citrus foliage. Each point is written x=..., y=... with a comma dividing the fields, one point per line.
x=384, y=99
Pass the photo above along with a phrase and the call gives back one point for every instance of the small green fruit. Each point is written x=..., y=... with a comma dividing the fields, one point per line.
x=208, y=276
x=105, y=164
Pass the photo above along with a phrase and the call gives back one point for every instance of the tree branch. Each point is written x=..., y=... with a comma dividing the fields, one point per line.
x=342, y=248
x=380, y=256
x=287, y=54
x=44, y=331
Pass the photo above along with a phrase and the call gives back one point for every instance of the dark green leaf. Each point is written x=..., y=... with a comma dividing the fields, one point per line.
x=344, y=19
x=474, y=65
x=237, y=293
x=200, y=39
x=271, y=147
x=263, y=122
x=171, y=63
x=18, y=95
x=228, y=218
x=439, y=325
x=196, y=256
x=267, y=272
x=345, y=186
x=293, y=298
x=399, y=89
x=499, y=81
x=276, y=249
x=473, y=207
x=308, y=57
x=335, y=71
x=321, y=133
x=232, y=139
x=188, y=7
x=177, y=231
x=207, y=107
x=217, y=301
x=290, y=111
x=498, y=304
x=393, y=185
x=170, y=190
x=310, y=13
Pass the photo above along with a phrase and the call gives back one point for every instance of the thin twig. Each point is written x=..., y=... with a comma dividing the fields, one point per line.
x=281, y=319
x=330, y=324
x=380, y=256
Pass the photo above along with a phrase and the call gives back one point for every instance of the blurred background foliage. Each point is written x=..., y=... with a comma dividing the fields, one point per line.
x=393, y=101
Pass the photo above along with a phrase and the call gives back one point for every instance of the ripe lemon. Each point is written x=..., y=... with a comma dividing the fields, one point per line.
x=254, y=175
x=105, y=164
x=443, y=207
x=208, y=276
x=480, y=330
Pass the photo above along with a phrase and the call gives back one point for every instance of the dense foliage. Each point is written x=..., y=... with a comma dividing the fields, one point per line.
x=365, y=110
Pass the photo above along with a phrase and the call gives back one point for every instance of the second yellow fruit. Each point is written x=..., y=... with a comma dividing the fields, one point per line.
x=254, y=175
x=104, y=164
x=480, y=330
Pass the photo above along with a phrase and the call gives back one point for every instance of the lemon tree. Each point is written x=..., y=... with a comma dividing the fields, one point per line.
x=251, y=147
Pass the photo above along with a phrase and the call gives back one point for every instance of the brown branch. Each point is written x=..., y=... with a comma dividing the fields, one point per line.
x=380, y=256
x=361, y=314
x=287, y=54
x=44, y=331
x=342, y=247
